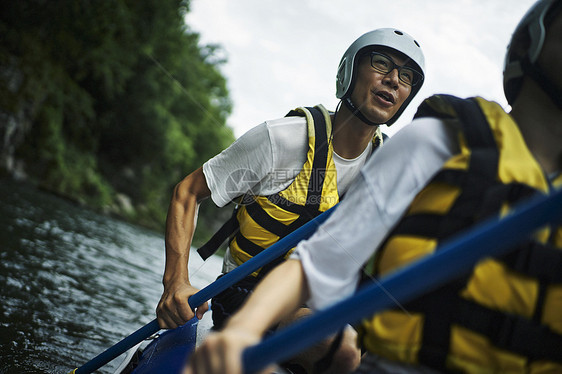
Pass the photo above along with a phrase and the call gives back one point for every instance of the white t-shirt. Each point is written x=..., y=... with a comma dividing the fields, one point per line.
x=266, y=160
x=332, y=258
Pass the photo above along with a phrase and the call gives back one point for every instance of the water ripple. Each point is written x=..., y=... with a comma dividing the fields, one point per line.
x=73, y=283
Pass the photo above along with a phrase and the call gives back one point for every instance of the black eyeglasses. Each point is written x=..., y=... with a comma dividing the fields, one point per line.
x=384, y=64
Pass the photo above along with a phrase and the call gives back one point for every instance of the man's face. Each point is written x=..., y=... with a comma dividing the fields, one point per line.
x=379, y=96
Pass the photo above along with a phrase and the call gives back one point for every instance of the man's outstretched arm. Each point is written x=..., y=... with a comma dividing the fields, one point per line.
x=173, y=309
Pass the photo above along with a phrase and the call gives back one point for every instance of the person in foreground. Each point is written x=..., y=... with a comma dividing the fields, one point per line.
x=502, y=317
x=288, y=171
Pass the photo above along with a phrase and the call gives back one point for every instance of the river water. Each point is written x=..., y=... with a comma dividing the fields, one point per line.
x=73, y=282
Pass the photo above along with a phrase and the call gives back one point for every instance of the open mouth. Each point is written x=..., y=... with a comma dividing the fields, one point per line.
x=385, y=96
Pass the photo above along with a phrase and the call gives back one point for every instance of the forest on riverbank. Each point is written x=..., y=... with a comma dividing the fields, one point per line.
x=109, y=103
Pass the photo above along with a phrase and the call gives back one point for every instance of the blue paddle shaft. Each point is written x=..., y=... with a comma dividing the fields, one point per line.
x=221, y=284
x=455, y=258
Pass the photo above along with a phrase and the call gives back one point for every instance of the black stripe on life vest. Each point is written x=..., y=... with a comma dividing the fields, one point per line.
x=536, y=260
x=285, y=204
x=453, y=177
x=247, y=245
x=319, y=164
x=481, y=174
x=421, y=225
x=265, y=220
x=227, y=229
x=511, y=332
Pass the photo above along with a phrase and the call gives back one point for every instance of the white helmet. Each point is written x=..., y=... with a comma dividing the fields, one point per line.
x=530, y=33
x=387, y=37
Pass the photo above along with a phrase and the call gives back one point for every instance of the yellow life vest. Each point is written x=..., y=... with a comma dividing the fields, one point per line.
x=266, y=219
x=506, y=316
x=314, y=190
x=261, y=221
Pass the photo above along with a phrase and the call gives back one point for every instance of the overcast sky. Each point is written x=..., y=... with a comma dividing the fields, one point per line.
x=284, y=54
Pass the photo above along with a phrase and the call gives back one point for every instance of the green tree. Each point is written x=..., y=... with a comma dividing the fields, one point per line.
x=110, y=97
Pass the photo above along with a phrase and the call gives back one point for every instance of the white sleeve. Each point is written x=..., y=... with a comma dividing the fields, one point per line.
x=237, y=169
x=264, y=160
x=332, y=258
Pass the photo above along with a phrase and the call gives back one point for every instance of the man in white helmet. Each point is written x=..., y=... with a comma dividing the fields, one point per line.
x=504, y=315
x=288, y=171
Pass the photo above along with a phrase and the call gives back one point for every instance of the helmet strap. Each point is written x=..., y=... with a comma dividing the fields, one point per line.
x=356, y=112
x=535, y=73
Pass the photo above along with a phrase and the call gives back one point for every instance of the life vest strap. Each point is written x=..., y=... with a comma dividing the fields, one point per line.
x=283, y=203
x=511, y=332
x=228, y=229
x=249, y=246
x=318, y=173
x=266, y=221
x=536, y=260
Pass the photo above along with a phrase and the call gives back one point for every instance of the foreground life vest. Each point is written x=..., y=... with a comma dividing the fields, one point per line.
x=506, y=316
x=260, y=221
